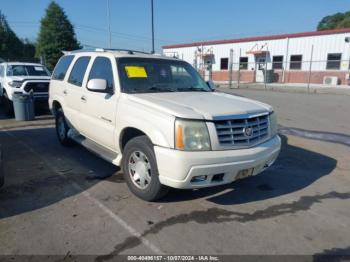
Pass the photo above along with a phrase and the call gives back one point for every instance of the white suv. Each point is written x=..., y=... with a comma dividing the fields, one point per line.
x=22, y=78
x=156, y=118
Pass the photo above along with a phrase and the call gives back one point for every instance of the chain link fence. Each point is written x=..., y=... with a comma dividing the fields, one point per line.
x=293, y=73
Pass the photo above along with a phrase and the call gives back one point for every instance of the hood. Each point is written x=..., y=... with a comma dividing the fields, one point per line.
x=201, y=105
x=26, y=78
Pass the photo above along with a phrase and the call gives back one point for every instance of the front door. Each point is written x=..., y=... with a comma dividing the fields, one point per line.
x=99, y=109
x=260, y=64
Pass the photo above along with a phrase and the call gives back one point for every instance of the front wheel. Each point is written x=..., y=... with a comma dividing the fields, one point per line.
x=140, y=170
x=8, y=105
x=62, y=129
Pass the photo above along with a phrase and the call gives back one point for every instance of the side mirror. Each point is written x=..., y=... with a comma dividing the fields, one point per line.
x=211, y=85
x=97, y=85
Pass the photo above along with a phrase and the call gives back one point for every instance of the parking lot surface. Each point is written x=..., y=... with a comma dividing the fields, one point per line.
x=51, y=206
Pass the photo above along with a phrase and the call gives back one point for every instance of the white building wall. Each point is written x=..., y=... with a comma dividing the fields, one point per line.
x=323, y=45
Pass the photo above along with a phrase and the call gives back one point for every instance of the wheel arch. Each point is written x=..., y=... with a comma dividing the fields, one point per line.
x=56, y=105
x=129, y=133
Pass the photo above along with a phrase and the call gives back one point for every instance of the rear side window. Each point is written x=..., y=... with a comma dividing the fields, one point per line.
x=61, y=68
x=102, y=69
x=77, y=75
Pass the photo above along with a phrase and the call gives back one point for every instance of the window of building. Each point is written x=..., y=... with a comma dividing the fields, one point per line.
x=78, y=72
x=224, y=64
x=295, y=62
x=277, y=62
x=61, y=68
x=333, y=61
x=243, y=63
x=102, y=69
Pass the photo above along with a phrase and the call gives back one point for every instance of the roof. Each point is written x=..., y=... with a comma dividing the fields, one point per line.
x=117, y=53
x=260, y=38
x=22, y=63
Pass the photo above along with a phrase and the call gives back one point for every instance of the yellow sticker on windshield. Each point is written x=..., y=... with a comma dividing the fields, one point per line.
x=136, y=71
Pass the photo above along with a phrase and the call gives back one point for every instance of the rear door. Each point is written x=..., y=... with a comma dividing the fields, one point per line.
x=99, y=109
x=260, y=67
x=73, y=91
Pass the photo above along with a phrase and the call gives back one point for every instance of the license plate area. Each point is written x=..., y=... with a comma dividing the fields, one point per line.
x=245, y=173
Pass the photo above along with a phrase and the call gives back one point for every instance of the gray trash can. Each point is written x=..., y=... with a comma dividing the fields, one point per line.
x=23, y=105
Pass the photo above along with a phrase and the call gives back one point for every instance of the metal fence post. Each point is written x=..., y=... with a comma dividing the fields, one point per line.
x=265, y=71
x=285, y=63
x=310, y=68
x=231, y=68
x=239, y=68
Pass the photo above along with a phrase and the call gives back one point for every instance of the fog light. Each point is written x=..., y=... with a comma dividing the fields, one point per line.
x=218, y=177
x=197, y=179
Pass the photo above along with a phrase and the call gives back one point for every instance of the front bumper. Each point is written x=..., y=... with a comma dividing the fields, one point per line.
x=38, y=96
x=40, y=93
x=177, y=168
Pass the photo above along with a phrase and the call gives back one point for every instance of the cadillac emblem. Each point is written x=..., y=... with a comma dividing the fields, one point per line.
x=248, y=131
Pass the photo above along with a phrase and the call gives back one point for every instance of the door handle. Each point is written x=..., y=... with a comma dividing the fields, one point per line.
x=83, y=98
x=65, y=92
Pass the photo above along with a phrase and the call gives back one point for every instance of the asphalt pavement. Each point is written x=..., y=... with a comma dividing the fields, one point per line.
x=300, y=206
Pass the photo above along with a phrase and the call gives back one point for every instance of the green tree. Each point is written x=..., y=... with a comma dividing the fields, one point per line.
x=28, y=49
x=56, y=35
x=338, y=20
x=11, y=47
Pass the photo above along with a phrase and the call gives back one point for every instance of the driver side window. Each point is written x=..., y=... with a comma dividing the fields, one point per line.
x=102, y=69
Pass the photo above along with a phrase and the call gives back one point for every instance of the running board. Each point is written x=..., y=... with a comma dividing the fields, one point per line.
x=95, y=148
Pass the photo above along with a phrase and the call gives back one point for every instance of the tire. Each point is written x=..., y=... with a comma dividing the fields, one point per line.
x=141, y=149
x=62, y=129
x=2, y=180
x=8, y=105
x=2, y=175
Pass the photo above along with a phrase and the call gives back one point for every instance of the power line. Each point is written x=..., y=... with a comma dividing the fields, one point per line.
x=101, y=30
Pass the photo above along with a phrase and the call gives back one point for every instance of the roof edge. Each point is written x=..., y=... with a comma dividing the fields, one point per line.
x=260, y=38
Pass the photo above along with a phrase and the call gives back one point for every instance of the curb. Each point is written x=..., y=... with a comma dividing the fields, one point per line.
x=301, y=90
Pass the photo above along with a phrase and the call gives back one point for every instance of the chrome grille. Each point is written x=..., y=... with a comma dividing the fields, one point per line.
x=37, y=87
x=242, y=132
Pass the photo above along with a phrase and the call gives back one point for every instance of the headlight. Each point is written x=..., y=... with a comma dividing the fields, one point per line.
x=15, y=84
x=273, y=124
x=191, y=135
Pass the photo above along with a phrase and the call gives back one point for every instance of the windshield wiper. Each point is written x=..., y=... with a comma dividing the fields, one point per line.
x=160, y=87
x=192, y=89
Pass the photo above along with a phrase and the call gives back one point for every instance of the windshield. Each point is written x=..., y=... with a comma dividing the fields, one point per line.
x=142, y=75
x=27, y=70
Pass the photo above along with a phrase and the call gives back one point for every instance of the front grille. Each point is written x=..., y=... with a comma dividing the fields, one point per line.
x=37, y=87
x=243, y=132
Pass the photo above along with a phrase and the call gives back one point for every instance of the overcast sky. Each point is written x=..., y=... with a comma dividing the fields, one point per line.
x=176, y=21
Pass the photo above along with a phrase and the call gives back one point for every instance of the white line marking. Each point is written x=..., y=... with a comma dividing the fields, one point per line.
x=86, y=194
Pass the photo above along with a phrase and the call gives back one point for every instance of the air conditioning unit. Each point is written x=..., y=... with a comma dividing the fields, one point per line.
x=330, y=80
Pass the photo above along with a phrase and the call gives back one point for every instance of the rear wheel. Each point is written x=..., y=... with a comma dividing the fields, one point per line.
x=140, y=169
x=2, y=180
x=62, y=129
x=2, y=176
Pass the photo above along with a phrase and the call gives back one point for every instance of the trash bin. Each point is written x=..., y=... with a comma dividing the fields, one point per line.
x=23, y=105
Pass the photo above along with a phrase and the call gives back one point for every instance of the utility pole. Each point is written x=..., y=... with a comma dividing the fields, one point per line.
x=109, y=24
x=152, y=10
x=310, y=68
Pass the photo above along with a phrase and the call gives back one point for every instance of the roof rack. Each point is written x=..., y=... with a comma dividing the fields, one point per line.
x=129, y=51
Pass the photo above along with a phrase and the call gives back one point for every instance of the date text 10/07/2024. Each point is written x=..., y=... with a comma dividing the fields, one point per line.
x=173, y=258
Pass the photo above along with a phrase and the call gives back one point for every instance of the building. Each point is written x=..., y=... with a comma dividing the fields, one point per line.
x=315, y=57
